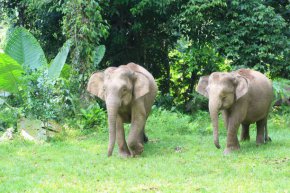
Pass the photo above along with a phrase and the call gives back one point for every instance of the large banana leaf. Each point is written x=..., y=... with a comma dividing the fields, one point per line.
x=59, y=61
x=10, y=73
x=25, y=49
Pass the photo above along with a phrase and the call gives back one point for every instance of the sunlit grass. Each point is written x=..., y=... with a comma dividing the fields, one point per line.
x=180, y=157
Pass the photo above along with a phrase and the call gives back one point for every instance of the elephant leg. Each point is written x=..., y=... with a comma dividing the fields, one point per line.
x=136, y=135
x=232, y=139
x=145, y=137
x=225, y=118
x=267, y=137
x=123, y=148
x=260, y=138
x=245, y=134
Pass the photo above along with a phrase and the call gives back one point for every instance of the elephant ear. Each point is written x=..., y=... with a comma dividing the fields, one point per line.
x=142, y=80
x=242, y=86
x=96, y=85
x=202, y=86
x=141, y=86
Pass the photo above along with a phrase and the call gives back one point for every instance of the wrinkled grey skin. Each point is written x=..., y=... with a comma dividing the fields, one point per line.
x=244, y=97
x=129, y=92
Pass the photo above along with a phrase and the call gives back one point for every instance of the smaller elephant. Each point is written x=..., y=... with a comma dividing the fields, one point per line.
x=245, y=97
x=129, y=92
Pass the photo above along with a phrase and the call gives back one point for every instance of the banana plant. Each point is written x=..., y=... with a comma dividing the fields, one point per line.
x=25, y=49
x=23, y=53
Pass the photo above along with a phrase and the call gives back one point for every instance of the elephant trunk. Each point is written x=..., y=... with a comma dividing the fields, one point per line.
x=112, y=109
x=214, y=110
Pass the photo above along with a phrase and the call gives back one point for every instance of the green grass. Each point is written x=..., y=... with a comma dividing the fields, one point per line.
x=180, y=157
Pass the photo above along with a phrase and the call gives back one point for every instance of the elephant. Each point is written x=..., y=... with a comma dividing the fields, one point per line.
x=244, y=97
x=129, y=92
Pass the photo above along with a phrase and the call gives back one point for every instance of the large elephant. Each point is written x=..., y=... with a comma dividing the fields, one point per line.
x=129, y=92
x=245, y=97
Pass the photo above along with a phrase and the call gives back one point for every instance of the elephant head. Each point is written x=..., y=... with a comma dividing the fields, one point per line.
x=119, y=88
x=223, y=90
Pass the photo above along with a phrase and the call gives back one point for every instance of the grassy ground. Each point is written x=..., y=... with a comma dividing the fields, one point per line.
x=180, y=157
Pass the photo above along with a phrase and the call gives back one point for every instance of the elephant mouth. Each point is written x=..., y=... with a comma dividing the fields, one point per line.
x=224, y=107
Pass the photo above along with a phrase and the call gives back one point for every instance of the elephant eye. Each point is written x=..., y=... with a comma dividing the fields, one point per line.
x=124, y=89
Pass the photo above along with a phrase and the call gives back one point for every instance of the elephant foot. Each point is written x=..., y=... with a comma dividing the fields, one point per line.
x=260, y=141
x=124, y=151
x=267, y=139
x=124, y=154
x=145, y=138
x=229, y=150
x=136, y=149
x=245, y=138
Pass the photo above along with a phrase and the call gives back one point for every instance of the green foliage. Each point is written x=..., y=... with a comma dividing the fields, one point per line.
x=177, y=41
x=248, y=33
x=66, y=71
x=25, y=49
x=8, y=117
x=92, y=117
x=84, y=25
x=198, y=20
x=98, y=55
x=10, y=73
x=281, y=88
x=42, y=99
x=144, y=35
x=42, y=18
x=58, y=62
x=252, y=35
x=37, y=95
x=188, y=61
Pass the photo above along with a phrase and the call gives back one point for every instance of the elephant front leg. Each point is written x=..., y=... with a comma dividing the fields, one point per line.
x=225, y=118
x=123, y=148
x=232, y=139
x=145, y=137
x=136, y=135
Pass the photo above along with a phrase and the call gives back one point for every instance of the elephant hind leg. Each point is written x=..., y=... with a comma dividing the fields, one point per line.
x=245, y=134
x=145, y=137
x=267, y=137
x=260, y=138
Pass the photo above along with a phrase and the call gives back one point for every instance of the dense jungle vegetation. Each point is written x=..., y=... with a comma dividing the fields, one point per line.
x=49, y=49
